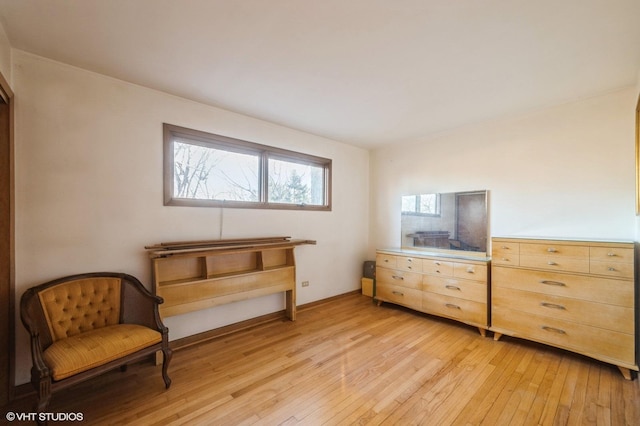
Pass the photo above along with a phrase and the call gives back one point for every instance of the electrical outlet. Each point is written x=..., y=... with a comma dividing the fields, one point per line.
x=305, y=283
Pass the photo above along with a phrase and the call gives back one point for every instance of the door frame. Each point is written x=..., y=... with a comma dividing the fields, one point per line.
x=7, y=244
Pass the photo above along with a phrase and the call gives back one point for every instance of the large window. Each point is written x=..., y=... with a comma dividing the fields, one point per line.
x=203, y=169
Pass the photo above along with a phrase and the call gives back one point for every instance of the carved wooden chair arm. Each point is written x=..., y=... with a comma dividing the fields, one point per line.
x=36, y=352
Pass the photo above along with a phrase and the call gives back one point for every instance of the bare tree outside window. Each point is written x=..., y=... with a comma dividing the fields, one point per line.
x=205, y=173
x=423, y=204
x=202, y=169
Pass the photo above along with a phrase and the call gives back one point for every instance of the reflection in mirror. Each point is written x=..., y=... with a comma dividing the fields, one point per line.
x=423, y=204
x=451, y=221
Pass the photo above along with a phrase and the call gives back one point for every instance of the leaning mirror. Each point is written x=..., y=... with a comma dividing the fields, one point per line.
x=455, y=221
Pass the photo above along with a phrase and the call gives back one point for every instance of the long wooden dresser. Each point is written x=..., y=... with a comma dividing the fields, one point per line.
x=444, y=285
x=576, y=295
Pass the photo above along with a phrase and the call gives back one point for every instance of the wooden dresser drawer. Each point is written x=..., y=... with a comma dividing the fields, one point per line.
x=437, y=267
x=555, y=263
x=556, y=257
x=612, y=261
x=399, y=278
x=612, y=269
x=409, y=297
x=409, y=263
x=603, y=344
x=463, y=289
x=385, y=261
x=470, y=271
x=595, y=289
x=456, y=308
x=612, y=254
x=505, y=253
x=609, y=317
x=554, y=249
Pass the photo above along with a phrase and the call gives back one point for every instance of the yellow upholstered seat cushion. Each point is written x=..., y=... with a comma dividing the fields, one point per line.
x=90, y=349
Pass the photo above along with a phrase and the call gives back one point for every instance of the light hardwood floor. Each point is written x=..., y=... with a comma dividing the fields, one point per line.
x=351, y=362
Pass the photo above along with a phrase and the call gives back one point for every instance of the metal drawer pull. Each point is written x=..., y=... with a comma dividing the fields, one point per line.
x=611, y=269
x=553, y=329
x=409, y=267
x=452, y=287
x=611, y=254
x=552, y=305
x=398, y=293
x=505, y=248
x=452, y=306
x=437, y=263
x=397, y=277
x=470, y=270
x=504, y=259
x=556, y=283
x=552, y=263
x=552, y=250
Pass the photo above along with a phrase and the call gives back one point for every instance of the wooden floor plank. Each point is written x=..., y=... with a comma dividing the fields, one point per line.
x=546, y=397
x=352, y=362
x=631, y=399
x=507, y=400
x=529, y=387
x=618, y=415
x=424, y=402
x=578, y=412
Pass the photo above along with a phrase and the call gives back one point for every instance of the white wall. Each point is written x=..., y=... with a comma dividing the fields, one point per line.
x=89, y=191
x=564, y=171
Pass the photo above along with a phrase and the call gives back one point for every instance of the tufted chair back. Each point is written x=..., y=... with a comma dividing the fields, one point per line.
x=74, y=307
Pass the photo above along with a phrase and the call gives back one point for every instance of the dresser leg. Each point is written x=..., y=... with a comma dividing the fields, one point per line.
x=626, y=373
x=497, y=336
x=379, y=302
x=482, y=331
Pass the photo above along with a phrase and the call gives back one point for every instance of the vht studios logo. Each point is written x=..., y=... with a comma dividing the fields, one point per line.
x=43, y=417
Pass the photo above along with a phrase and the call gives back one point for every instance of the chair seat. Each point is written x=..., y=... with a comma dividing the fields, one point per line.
x=84, y=351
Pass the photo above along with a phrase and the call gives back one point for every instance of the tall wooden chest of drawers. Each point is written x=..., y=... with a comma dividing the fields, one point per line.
x=576, y=295
x=454, y=287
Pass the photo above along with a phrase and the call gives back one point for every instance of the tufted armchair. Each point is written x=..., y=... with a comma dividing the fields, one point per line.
x=84, y=325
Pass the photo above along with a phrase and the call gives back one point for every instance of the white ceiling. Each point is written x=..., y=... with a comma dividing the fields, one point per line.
x=365, y=72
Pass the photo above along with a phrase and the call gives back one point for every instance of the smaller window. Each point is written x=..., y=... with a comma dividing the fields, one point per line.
x=421, y=205
x=292, y=181
x=203, y=169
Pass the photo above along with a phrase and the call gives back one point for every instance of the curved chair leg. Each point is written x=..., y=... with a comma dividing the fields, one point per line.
x=166, y=355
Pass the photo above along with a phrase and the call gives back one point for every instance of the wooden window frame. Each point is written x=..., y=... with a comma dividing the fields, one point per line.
x=264, y=152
